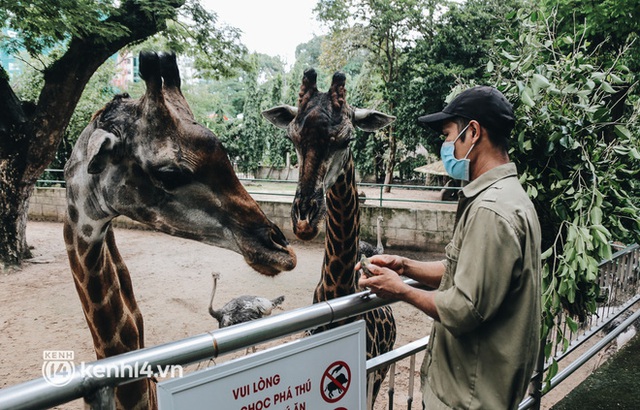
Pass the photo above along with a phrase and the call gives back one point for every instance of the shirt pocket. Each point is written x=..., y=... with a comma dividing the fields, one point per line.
x=452, y=253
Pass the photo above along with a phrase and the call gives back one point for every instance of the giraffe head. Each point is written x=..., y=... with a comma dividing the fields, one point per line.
x=149, y=159
x=320, y=127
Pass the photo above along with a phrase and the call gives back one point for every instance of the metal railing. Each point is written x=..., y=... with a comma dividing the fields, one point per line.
x=621, y=272
x=620, y=276
x=51, y=178
x=40, y=393
x=286, y=189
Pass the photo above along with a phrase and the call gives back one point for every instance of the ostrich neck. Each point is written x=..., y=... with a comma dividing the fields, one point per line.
x=215, y=313
x=341, y=237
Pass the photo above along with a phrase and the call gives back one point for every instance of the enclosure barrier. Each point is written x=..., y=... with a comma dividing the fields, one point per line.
x=619, y=282
x=620, y=275
x=55, y=178
x=39, y=393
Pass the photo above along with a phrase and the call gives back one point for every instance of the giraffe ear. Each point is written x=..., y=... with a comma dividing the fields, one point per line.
x=281, y=115
x=99, y=149
x=371, y=120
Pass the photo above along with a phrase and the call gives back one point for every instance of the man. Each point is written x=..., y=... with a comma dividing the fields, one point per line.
x=485, y=337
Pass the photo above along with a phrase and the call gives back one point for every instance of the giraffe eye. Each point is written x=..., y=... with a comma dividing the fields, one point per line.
x=172, y=176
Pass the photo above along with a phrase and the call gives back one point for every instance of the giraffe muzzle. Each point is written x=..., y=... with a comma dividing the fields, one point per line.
x=306, y=216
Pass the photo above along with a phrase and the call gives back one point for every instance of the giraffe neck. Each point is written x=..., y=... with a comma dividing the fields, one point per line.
x=103, y=283
x=341, y=237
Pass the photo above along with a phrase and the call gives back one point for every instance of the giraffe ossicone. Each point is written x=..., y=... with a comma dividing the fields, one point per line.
x=149, y=159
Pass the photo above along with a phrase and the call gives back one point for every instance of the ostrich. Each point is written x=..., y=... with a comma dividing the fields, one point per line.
x=241, y=309
x=368, y=250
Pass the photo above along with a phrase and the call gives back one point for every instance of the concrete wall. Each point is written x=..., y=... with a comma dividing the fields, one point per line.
x=417, y=229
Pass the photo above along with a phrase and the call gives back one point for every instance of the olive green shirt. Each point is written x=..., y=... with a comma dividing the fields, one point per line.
x=482, y=352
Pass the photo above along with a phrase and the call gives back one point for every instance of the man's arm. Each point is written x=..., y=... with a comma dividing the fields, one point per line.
x=427, y=273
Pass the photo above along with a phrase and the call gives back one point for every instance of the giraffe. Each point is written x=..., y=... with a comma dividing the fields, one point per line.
x=321, y=128
x=148, y=159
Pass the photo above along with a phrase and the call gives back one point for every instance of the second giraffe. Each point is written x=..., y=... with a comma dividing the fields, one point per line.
x=321, y=127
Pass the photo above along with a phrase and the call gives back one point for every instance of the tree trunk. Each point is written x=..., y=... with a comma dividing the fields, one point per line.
x=14, y=203
x=391, y=162
x=15, y=188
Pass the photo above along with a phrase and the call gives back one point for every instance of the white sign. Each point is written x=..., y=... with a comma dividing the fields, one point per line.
x=323, y=371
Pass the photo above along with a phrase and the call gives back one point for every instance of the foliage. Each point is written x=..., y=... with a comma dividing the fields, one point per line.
x=365, y=90
x=377, y=33
x=585, y=184
x=209, y=103
x=214, y=49
x=278, y=147
x=307, y=56
x=69, y=40
x=456, y=52
x=97, y=92
x=42, y=25
x=607, y=25
x=252, y=134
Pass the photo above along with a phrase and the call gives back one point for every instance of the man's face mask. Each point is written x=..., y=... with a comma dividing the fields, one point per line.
x=456, y=168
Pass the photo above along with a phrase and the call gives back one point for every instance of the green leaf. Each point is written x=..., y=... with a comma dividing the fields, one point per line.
x=596, y=216
x=616, y=80
x=553, y=369
x=547, y=253
x=607, y=87
x=508, y=56
x=622, y=131
x=540, y=81
x=570, y=89
x=526, y=97
x=490, y=66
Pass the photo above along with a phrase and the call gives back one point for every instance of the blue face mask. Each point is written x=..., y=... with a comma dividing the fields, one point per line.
x=456, y=168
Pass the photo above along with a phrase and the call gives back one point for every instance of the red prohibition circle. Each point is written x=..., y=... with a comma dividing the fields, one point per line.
x=331, y=382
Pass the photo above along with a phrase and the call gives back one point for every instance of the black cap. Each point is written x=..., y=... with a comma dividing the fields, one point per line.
x=484, y=104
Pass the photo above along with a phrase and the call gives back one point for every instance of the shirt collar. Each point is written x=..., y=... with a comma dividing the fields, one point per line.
x=490, y=177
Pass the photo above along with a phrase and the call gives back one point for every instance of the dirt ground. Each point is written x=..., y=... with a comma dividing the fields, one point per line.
x=172, y=281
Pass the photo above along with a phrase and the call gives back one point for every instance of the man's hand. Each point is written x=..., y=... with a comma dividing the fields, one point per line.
x=393, y=262
x=383, y=281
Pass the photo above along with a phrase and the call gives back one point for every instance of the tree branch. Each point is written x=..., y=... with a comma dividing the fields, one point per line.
x=67, y=77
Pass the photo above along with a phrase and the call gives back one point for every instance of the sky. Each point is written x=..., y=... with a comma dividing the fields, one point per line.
x=273, y=27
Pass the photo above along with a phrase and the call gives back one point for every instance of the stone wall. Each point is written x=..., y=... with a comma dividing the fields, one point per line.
x=417, y=229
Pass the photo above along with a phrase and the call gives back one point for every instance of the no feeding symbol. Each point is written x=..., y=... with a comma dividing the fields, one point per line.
x=335, y=382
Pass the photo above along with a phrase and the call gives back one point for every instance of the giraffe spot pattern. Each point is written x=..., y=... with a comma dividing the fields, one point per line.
x=129, y=333
x=72, y=211
x=103, y=319
x=87, y=230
